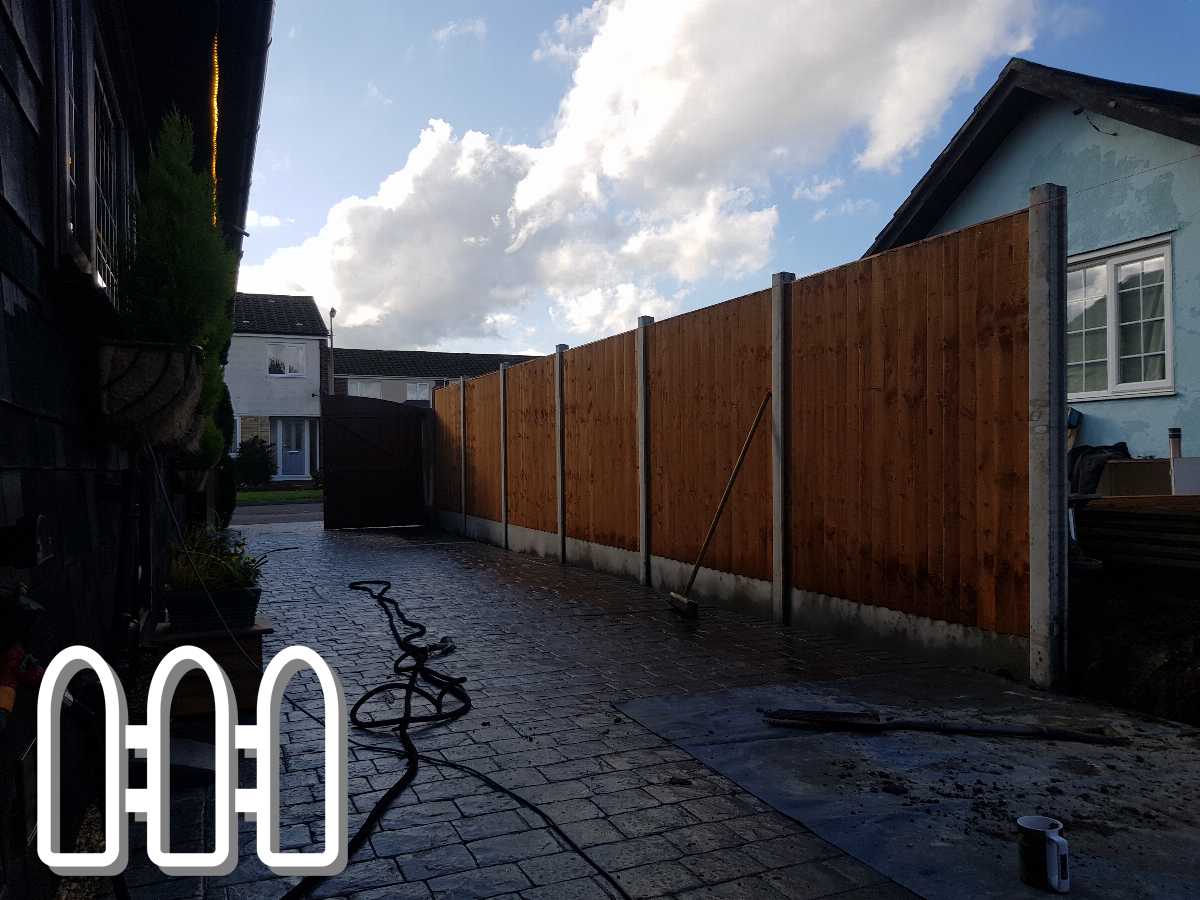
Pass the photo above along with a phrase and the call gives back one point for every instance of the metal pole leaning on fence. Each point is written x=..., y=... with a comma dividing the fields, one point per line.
x=560, y=452
x=462, y=448
x=642, y=361
x=781, y=405
x=1047, y=434
x=504, y=451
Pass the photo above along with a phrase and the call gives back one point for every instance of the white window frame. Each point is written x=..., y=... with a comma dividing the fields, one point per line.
x=376, y=385
x=1112, y=258
x=303, y=360
x=409, y=386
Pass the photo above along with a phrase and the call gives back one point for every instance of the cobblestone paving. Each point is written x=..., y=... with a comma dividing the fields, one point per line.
x=547, y=650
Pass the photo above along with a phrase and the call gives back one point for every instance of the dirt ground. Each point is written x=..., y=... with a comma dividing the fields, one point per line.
x=1135, y=639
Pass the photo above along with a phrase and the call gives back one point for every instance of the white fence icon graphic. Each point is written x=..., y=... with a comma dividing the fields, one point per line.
x=152, y=741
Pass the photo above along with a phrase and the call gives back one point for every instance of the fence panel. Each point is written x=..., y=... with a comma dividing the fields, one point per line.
x=709, y=371
x=909, y=450
x=600, y=426
x=483, y=447
x=448, y=461
x=531, y=460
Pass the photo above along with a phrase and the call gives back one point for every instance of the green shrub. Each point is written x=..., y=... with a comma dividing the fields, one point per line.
x=212, y=560
x=178, y=286
x=182, y=276
x=255, y=462
x=223, y=416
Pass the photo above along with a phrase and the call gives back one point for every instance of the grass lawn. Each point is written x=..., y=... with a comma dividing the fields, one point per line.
x=310, y=495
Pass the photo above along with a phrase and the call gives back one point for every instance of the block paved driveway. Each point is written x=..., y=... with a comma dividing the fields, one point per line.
x=547, y=649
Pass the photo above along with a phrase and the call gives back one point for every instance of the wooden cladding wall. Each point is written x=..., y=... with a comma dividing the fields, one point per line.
x=709, y=371
x=483, y=447
x=600, y=429
x=909, y=448
x=448, y=461
x=532, y=490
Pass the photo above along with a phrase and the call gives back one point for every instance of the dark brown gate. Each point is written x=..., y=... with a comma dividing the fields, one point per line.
x=372, y=462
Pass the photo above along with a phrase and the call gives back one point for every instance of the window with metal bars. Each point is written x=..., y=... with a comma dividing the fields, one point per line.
x=110, y=204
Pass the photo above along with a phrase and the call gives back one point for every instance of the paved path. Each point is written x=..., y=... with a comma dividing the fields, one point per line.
x=273, y=513
x=547, y=650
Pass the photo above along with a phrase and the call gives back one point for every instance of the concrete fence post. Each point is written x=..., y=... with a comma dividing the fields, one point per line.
x=504, y=451
x=560, y=450
x=781, y=406
x=462, y=448
x=1048, y=484
x=642, y=363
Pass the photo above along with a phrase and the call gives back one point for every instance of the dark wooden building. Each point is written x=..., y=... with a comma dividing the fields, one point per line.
x=83, y=87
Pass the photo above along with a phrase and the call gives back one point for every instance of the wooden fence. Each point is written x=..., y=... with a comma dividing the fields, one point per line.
x=907, y=415
x=600, y=436
x=531, y=457
x=709, y=371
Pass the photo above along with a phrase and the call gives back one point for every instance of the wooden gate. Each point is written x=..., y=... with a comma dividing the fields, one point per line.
x=372, y=462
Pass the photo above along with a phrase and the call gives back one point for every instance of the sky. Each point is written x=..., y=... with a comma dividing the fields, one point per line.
x=492, y=177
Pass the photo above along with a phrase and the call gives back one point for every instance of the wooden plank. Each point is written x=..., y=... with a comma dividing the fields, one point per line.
x=969, y=349
x=483, y=447
x=934, y=498
x=948, y=366
x=599, y=385
x=985, y=426
x=532, y=492
x=448, y=484
x=867, y=466
x=880, y=459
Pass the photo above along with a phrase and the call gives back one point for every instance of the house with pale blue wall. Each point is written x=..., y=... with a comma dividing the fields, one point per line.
x=1129, y=157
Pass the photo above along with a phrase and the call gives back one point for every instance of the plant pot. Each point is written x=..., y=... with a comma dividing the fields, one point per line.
x=192, y=611
x=152, y=389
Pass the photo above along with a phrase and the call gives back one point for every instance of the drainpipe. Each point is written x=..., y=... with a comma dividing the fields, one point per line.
x=332, y=313
x=1175, y=442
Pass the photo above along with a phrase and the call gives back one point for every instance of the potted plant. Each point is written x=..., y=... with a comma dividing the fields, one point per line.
x=212, y=569
x=161, y=376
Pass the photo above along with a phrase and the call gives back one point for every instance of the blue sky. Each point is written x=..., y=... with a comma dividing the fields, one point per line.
x=505, y=177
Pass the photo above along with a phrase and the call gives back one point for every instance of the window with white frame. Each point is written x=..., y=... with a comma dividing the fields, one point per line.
x=1119, y=322
x=285, y=359
x=417, y=390
x=365, y=389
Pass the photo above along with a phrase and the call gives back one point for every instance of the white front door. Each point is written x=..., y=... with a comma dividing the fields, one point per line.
x=291, y=441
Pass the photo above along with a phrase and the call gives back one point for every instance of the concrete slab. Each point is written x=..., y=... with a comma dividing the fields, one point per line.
x=936, y=813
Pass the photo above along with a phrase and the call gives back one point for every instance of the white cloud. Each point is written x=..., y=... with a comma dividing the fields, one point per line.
x=850, y=207
x=659, y=169
x=476, y=28
x=375, y=95
x=570, y=37
x=816, y=189
x=264, y=220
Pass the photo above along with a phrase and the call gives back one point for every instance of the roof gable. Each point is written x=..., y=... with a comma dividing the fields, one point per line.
x=418, y=363
x=277, y=314
x=1020, y=86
